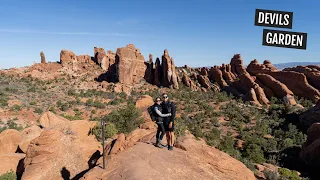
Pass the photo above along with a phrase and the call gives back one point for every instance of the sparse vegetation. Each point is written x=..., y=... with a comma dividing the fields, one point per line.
x=10, y=175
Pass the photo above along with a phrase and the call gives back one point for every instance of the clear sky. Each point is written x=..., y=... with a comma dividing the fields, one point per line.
x=195, y=32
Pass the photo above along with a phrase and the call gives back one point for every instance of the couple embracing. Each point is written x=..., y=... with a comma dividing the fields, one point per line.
x=164, y=114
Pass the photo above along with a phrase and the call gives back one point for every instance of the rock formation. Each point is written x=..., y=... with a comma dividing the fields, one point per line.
x=192, y=159
x=149, y=75
x=186, y=80
x=169, y=76
x=311, y=72
x=43, y=57
x=279, y=89
x=157, y=73
x=130, y=65
x=67, y=58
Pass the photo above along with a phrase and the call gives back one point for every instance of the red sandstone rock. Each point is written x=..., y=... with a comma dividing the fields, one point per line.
x=237, y=65
x=84, y=59
x=216, y=75
x=311, y=72
x=279, y=89
x=43, y=57
x=130, y=67
x=188, y=82
x=169, y=76
x=67, y=58
x=204, y=81
x=157, y=73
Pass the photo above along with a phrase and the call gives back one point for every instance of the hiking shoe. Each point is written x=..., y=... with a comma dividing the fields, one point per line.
x=159, y=145
x=170, y=148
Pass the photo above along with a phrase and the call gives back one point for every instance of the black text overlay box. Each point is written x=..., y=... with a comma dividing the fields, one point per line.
x=271, y=18
x=286, y=39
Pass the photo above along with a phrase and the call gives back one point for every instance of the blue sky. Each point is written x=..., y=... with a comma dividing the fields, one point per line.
x=195, y=32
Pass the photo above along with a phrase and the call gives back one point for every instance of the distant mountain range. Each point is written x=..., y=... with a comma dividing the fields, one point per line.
x=281, y=66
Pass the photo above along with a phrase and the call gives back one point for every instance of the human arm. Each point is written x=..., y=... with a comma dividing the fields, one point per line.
x=156, y=109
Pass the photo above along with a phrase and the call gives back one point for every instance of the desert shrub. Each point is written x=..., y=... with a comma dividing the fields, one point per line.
x=254, y=153
x=15, y=107
x=32, y=89
x=11, y=125
x=227, y=145
x=3, y=99
x=196, y=130
x=116, y=101
x=109, y=131
x=10, y=175
x=213, y=137
x=38, y=111
x=32, y=103
x=125, y=119
x=95, y=103
x=180, y=127
x=11, y=90
x=271, y=175
x=287, y=174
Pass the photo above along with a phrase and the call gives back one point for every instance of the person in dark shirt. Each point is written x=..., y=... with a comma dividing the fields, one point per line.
x=169, y=107
x=159, y=120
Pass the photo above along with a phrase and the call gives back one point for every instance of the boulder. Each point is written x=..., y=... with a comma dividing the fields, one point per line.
x=144, y=102
x=60, y=153
x=67, y=58
x=130, y=65
x=10, y=162
x=9, y=141
x=28, y=135
x=49, y=119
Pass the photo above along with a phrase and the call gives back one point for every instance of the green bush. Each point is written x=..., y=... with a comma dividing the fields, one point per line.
x=3, y=99
x=288, y=174
x=180, y=127
x=254, y=153
x=15, y=107
x=213, y=137
x=38, y=111
x=125, y=119
x=109, y=131
x=8, y=176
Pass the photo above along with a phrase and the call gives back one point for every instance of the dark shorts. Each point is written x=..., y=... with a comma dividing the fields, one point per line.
x=166, y=127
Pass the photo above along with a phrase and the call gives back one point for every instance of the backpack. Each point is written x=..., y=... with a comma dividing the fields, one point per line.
x=151, y=112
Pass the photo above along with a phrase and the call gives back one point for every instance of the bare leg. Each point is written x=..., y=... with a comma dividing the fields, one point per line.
x=171, y=138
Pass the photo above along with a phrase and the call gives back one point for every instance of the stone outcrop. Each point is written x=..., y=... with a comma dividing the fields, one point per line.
x=192, y=159
x=9, y=141
x=311, y=72
x=279, y=89
x=67, y=58
x=186, y=80
x=43, y=57
x=204, y=81
x=149, y=75
x=28, y=135
x=310, y=116
x=84, y=59
x=11, y=162
x=99, y=54
x=157, y=73
x=169, y=76
x=130, y=65
x=236, y=63
x=255, y=68
x=297, y=83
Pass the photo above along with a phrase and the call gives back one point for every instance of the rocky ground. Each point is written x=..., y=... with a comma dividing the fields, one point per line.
x=232, y=122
